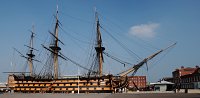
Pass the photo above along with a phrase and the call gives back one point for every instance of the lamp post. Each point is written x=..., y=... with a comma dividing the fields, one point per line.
x=78, y=80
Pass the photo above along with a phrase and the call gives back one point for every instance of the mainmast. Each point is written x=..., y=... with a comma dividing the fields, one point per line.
x=55, y=48
x=99, y=48
x=30, y=53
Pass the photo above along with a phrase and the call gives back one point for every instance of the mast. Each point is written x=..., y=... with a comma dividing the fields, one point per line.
x=99, y=49
x=30, y=53
x=55, y=48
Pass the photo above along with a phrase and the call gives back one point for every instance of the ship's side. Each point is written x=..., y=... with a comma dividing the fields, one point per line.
x=73, y=84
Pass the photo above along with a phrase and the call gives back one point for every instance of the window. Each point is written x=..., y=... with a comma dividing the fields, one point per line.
x=196, y=77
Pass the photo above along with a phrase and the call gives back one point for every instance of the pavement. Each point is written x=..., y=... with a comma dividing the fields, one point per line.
x=148, y=95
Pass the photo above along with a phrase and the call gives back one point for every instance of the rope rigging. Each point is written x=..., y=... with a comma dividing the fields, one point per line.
x=78, y=64
x=120, y=43
x=61, y=55
x=76, y=18
x=86, y=42
x=166, y=51
x=121, y=29
x=117, y=59
x=80, y=47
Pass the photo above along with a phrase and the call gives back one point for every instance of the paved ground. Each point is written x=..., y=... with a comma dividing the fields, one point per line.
x=159, y=95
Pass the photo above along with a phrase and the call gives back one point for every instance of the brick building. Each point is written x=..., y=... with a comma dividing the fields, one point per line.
x=183, y=71
x=186, y=78
x=135, y=82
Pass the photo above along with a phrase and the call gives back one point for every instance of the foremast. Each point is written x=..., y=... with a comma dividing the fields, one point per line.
x=99, y=48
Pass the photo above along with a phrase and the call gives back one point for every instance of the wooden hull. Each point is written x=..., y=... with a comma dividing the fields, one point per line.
x=66, y=85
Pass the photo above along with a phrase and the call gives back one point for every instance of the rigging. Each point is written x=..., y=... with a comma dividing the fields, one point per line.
x=117, y=59
x=121, y=44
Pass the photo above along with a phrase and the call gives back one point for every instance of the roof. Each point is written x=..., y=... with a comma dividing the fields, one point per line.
x=186, y=71
x=161, y=82
x=2, y=85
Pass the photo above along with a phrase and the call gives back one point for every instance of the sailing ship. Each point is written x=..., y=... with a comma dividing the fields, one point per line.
x=94, y=82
